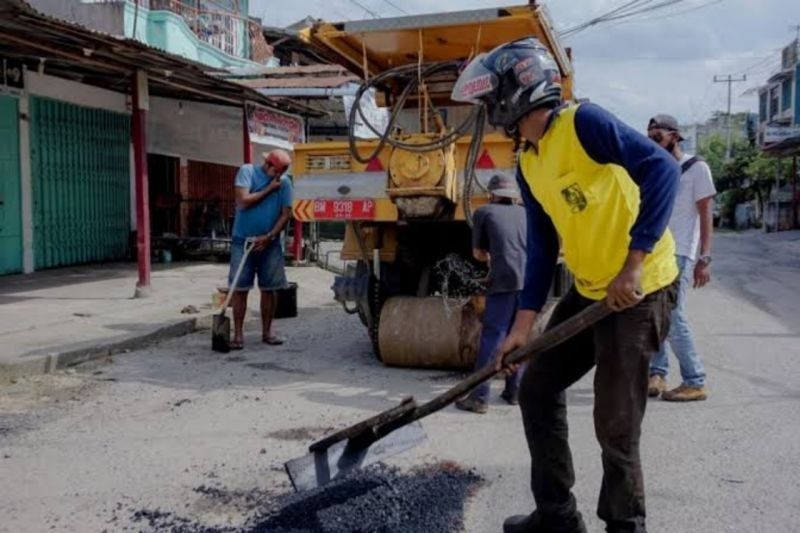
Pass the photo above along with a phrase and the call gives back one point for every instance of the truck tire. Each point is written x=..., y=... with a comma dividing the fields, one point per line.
x=369, y=310
x=377, y=295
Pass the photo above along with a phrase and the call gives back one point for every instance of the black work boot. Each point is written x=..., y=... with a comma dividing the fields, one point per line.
x=535, y=523
x=634, y=525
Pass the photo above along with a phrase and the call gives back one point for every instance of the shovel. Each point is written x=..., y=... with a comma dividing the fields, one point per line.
x=398, y=429
x=221, y=326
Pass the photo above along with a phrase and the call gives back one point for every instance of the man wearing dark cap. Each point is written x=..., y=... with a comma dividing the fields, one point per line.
x=498, y=238
x=691, y=225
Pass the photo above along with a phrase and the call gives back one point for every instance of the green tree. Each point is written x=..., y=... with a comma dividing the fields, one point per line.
x=712, y=149
x=748, y=175
x=762, y=171
x=726, y=174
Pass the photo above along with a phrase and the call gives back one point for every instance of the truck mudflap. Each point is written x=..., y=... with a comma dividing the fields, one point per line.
x=351, y=289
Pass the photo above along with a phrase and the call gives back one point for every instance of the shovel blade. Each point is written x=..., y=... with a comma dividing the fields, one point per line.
x=221, y=334
x=318, y=468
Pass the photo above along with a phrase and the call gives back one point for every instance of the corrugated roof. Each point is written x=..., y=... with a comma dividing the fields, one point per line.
x=299, y=82
x=75, y=52
x=308, y=70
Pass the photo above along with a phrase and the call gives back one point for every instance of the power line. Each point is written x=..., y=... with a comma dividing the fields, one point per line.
x=697, y=105
x=630, y=17
x=365, y=8
x=626, y=11
x=676, y=13
x=664, y=4
x=597, y=20
x=761, y=61
x=400, y=9
x=767, y=67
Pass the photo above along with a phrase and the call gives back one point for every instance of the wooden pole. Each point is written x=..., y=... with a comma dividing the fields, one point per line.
x=247, y=154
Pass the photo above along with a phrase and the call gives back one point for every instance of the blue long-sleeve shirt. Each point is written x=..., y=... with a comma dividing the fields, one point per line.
x=606, y=140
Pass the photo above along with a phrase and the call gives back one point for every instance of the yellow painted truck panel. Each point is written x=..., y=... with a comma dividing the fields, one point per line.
x=370, y=47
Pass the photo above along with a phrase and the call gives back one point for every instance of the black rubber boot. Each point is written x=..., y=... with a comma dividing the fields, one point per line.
x=635, y=525
x=534, y=523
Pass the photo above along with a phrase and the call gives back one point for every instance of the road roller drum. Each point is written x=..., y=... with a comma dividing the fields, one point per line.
x=430, y=332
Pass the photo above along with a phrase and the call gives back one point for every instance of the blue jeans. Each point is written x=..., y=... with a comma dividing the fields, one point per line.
x=267, y=263
x=680, y=336
x=497, y=320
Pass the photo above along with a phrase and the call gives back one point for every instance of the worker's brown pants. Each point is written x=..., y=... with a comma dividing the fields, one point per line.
x=621, y=346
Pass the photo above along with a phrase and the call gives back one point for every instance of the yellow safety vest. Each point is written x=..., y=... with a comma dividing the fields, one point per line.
x=593, y=207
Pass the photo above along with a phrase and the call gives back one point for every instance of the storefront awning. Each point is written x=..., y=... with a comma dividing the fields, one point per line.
x=73, y=52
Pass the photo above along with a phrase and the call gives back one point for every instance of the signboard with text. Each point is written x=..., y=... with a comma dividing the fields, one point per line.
x=377, y=116
x=273, y=127
x=774, y=134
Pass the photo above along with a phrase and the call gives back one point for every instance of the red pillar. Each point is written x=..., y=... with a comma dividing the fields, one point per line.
x=140, y=105
x=297, y=241
x=248, y=149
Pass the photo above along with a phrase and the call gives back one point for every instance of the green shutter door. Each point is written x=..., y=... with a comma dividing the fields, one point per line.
x=10, y=200
x=81, y=183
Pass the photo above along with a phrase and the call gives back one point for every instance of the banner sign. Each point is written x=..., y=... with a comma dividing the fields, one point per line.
x=774, y=134
x=273, y=127
x=377, y=116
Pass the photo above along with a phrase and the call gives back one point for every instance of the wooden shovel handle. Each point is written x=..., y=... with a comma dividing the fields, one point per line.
x=546, y=341
x=366, y=428
x=373, y=428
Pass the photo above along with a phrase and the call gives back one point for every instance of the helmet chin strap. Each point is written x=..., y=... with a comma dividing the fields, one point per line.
x=512, y=132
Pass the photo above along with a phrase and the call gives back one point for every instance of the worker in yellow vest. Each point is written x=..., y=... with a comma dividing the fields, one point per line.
x=605, y=192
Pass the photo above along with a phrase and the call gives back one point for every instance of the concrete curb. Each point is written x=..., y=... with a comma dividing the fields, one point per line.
x=52, y=362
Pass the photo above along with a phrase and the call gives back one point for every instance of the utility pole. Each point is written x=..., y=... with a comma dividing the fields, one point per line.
x=730, y=80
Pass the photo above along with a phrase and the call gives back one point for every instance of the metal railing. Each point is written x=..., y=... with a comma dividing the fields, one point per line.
x=223, y=29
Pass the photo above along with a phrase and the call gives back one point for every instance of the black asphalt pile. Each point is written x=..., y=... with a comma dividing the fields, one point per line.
x=158, y=520
x=378, y=499
x=239, y=500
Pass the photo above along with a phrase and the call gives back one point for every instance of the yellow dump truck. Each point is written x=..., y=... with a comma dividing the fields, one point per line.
x=408, y=193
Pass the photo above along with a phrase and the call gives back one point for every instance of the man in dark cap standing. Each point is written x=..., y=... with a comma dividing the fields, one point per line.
x=498, y=238
x=691, y=225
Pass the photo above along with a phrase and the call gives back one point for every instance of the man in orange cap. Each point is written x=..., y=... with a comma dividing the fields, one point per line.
x=263, y=208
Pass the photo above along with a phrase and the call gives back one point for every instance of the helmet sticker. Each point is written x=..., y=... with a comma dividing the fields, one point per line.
x=524, y=64
x=475, y=87
x=503, y=62
x=527, y=78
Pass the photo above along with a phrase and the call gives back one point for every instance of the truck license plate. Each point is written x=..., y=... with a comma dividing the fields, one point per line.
x=344, y=209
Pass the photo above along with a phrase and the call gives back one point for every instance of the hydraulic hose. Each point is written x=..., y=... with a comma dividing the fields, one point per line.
x=411, y=76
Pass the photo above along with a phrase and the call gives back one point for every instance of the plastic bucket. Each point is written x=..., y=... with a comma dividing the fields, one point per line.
x=287, y=302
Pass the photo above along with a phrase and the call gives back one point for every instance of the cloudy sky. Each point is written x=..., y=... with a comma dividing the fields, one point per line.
x=663, y=61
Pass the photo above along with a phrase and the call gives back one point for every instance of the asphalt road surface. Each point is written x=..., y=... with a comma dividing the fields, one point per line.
x=202, y=436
